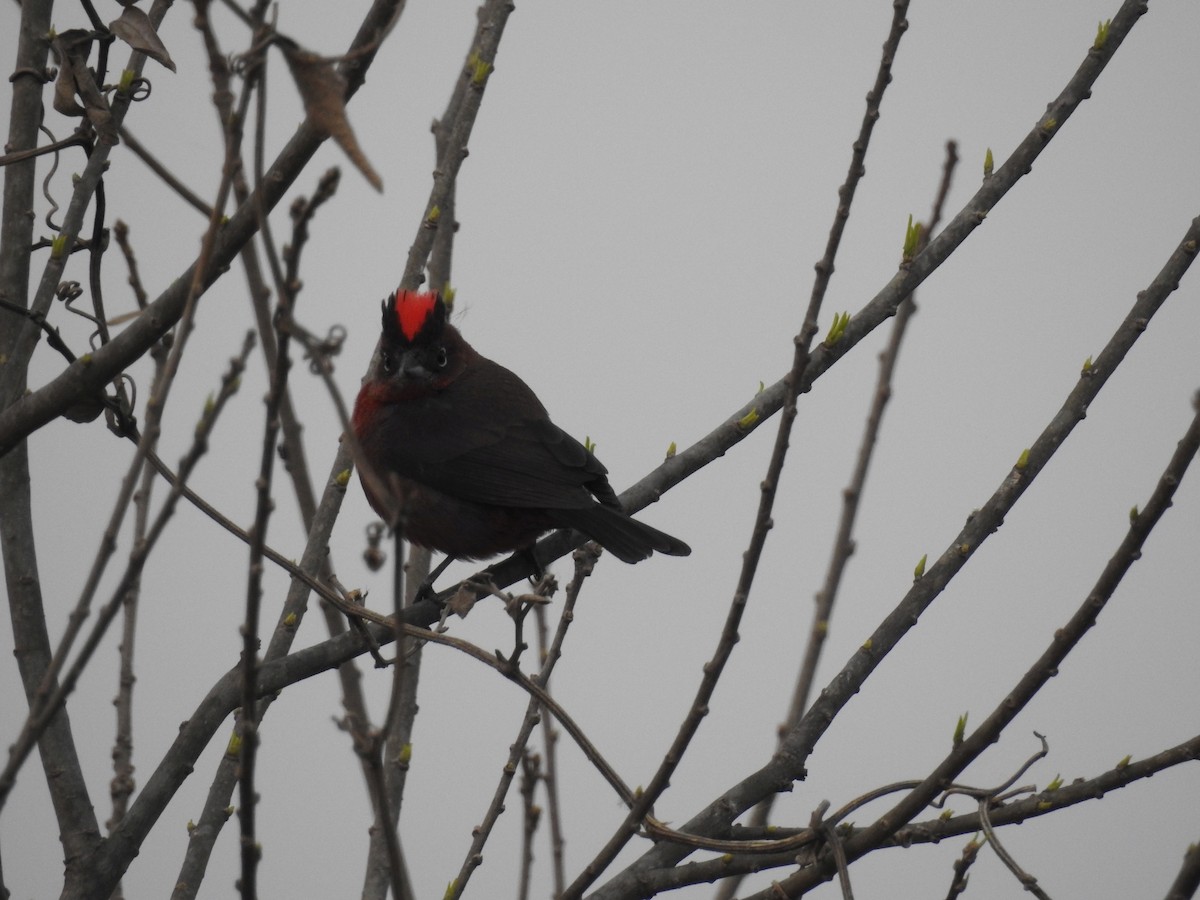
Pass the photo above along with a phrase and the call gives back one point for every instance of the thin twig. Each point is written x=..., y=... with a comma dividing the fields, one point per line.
x=255, y=80
x=762, y=525
x=77, y=139
x=843, y=545
x=534, y=711
x=123, y=782
x=369, y=745
x=1028, y=882
x=550, y=760
x=152, y=162
x=969, y=854
x=388, y=814
x=121, y=232
x=530, y=818
x=828, y=832
x=1187, y=882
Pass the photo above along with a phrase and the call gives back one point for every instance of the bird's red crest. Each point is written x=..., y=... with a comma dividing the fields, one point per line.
x=413, y=309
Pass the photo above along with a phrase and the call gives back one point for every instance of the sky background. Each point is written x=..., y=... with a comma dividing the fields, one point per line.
x=648, y=188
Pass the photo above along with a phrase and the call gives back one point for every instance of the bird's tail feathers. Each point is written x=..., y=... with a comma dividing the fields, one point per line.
x=627, y=539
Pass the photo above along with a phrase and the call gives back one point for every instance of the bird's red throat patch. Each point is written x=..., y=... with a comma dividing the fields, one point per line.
x=412, y=311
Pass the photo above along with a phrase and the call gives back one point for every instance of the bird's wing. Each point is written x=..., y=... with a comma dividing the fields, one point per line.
x=486, y=438
x=532, y=464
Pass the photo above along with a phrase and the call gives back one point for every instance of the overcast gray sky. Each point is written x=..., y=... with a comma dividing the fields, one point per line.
x=648, y=188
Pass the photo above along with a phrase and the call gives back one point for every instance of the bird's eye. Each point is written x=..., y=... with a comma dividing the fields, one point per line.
x=440, y=359
x=387, y=363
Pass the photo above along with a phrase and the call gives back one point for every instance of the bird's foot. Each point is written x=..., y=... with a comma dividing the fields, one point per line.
x=425, y=589
x=538, y=571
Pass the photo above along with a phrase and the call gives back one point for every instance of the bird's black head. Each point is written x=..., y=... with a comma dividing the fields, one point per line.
x=418, y=345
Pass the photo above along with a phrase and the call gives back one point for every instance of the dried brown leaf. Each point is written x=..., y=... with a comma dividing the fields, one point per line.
x=64, y=92
x=463, y=601
x=134, y=27
x=323, y=91
x=75, y=79
x=65, y=45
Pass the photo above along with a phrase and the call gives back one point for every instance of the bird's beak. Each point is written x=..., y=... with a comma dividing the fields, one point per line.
x=411, y=368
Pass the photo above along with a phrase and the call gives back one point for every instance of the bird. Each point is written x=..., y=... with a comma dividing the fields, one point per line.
x=459, y=453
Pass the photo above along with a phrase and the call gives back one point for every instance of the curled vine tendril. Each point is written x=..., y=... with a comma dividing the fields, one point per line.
x=46, y=181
